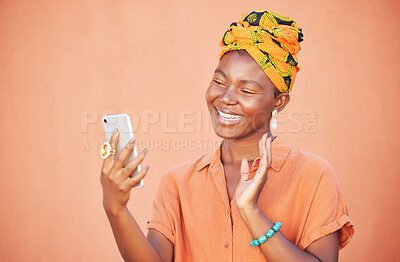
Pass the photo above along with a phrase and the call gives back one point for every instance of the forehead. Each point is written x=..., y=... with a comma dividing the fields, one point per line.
x=241, y=66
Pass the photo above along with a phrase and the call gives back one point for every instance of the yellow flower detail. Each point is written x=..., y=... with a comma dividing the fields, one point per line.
x=252, y=18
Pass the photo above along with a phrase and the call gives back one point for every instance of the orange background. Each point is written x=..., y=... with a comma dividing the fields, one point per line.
x=64, y=64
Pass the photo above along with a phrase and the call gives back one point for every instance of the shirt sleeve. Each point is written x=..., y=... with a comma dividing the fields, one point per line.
x=165, y=208
x=328, y=212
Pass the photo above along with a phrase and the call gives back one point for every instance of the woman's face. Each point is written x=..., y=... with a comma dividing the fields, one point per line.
x=240, y=97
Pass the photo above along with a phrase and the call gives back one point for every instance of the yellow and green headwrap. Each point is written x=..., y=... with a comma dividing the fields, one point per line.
x=273, y=42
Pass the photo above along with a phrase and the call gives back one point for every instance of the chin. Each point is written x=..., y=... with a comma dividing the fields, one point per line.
x=227, y=135
x=237, y=131
x=225, y=128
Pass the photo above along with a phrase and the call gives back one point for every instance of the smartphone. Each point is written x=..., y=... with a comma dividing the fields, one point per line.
x=123, y=123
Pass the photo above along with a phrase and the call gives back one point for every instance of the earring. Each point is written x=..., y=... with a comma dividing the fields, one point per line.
x=273, y=120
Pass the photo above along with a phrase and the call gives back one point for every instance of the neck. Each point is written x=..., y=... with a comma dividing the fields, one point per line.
x=234, y=150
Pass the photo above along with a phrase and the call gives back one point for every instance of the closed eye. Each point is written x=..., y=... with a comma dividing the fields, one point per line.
x=248, y=92
x=218, y=82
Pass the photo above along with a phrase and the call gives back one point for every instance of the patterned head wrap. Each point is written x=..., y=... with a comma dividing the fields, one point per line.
x=273, y=42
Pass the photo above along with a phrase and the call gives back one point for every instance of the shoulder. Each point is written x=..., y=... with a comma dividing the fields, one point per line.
x=177, y=178
x=185, y=170
x=310, y=166
x=310, y=160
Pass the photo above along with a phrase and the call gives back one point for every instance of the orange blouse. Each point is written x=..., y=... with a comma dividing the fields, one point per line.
x=193, y=211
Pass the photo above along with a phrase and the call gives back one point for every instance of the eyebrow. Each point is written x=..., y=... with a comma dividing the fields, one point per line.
x=241, y=81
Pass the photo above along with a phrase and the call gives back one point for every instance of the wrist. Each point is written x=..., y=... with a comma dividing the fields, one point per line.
x=248, y=211
x=114, y=211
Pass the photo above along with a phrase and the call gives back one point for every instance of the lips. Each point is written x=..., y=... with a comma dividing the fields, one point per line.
x=228, y=118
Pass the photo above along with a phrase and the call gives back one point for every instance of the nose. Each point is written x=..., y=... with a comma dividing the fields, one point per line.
x=229, y=96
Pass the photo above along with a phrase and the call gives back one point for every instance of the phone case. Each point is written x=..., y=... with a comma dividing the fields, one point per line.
x=123, y=123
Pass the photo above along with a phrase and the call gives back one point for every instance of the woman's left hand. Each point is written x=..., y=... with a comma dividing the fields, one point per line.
x=248, y=190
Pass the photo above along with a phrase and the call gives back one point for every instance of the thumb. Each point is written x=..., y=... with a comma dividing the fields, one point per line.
x=244, y=170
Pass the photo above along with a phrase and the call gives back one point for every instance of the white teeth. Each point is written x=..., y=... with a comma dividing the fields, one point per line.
x=229, y=117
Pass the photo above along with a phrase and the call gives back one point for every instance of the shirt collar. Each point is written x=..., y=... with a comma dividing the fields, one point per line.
x=279, y=147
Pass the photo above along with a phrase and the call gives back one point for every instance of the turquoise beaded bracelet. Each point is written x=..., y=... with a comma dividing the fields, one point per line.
x=269, y=234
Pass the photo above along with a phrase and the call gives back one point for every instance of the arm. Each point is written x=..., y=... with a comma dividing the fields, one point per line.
x=117, y=185
x=132, y=243
x=279, y=248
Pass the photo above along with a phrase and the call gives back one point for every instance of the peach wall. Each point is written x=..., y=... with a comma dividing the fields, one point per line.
x=64, y=64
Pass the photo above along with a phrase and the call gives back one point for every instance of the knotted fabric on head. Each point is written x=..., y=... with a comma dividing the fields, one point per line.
x=273, y=42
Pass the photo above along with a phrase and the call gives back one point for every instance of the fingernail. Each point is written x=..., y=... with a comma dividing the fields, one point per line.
x=144, y=151
x=244, y=159
x=132, y=141
x=115, y=131
x=146, y=168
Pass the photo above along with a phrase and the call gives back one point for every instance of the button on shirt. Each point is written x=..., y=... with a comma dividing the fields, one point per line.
x=193, y=211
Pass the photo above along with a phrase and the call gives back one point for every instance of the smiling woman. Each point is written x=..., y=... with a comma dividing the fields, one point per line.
x=241, y=97
x=255, y=197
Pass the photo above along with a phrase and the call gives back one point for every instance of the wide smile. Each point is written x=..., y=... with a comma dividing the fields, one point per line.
x=228, y=119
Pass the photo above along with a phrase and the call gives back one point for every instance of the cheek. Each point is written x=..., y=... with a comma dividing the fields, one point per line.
x=211, y=94
x=257, y=110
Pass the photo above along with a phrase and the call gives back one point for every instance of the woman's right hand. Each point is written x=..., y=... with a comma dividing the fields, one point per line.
x=115, y=179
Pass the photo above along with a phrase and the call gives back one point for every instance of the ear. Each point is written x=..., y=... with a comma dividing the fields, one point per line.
x=281, y=101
